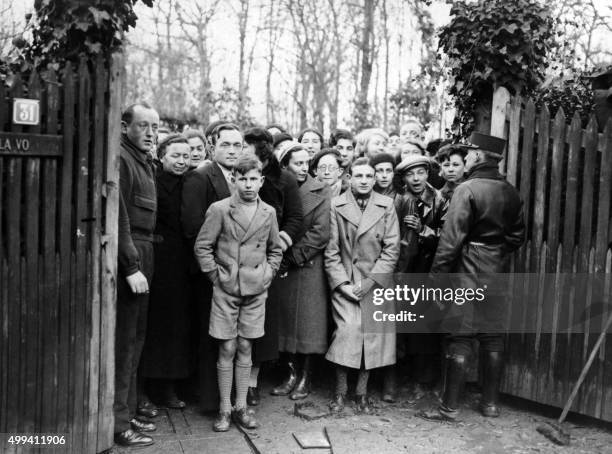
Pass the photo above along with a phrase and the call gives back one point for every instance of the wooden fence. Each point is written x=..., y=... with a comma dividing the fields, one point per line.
x=58, y=249
x=564, y=175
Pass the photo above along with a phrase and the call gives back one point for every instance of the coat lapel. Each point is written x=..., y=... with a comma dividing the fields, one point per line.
x=218, y=181
x=374, y=212
x=259, y=219
x=310, y=197
x=348, y=209
x=238, y=216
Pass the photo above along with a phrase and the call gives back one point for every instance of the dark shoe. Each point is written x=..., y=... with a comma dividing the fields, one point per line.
x=287, y=386
x=222, y=423
x=390, y=385
x=337, y=403
x=302, y=390
x=147, y=409
x=441, y=414
x=489, y=410
x=142, y=426
x=170, y=398
x=253, y=396
x=246, y=420
x=363, y=404
x=492, y=368
x=132, y=439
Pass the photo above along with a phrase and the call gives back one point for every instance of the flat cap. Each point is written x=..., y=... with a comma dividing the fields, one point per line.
x=413, y=160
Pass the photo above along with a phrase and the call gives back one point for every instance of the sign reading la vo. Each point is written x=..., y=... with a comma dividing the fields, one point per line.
x=26, y=111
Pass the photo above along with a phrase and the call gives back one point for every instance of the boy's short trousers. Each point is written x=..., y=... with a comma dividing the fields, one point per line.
x=232, y=316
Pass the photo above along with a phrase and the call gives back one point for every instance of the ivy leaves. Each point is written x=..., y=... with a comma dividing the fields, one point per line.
x=68, y=29
x=490, y=43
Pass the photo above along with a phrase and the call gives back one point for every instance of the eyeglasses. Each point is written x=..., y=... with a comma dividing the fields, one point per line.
x=227, y=145
x=325, y=168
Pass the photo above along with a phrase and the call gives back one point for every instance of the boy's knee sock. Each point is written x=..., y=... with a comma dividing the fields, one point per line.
x=362, y=382
x=253, y=376
x=224, y=379
x=242, y=372
x=341, y=380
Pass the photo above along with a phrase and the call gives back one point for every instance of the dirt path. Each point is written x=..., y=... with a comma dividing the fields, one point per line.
x=391, y=429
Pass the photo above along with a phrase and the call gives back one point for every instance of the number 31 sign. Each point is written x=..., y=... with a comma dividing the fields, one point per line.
x=26, y=111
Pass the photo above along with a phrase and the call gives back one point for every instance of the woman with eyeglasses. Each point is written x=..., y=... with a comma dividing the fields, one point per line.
x=303, y=314
x=326, y=165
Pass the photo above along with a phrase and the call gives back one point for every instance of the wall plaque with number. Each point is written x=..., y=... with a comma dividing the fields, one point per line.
x=26, y=111
x=28, y=145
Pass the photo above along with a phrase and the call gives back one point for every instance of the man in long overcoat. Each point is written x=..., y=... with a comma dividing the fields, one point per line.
x=363, y=247
x=484, y=225
x=201, y=188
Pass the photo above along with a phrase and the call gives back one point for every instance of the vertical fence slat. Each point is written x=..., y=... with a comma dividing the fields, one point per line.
x=50, y=307
x=65, y=231
x=525, y=185
x=539, y=355
x=30, y=304
x=569, y=249
x=17, y=348
x=83, y=229
x=97, y=161
x=585, y=252
x=109, y=253
x=4, y=346
x=514, y=130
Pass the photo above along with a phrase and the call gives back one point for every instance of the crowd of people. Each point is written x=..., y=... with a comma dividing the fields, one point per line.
x=237, y=248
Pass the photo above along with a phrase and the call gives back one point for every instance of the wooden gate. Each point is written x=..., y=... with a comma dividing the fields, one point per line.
x=564, y=175
x=58, y=249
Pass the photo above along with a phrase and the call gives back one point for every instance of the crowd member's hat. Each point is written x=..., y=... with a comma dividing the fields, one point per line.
x=324, y=152
x=281, y=137
x=413, y=160
x=286, y=147
x=488, y=143
x=380, y=158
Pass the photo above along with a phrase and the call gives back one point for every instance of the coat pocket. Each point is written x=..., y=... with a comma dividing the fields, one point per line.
x=142, y=215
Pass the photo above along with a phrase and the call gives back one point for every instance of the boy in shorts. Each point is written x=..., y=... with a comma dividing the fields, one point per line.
x=239, y=249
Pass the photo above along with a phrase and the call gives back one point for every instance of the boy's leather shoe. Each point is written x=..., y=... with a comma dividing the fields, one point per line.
x=242, y=417
x=132, y=439
x=222, y=423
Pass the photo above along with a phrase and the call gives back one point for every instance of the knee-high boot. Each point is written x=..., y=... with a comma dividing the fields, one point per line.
x=456, y=366
x=289, y=383
x=493, y=365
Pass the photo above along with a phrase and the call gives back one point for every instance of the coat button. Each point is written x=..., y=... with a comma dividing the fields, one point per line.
x=354, y=261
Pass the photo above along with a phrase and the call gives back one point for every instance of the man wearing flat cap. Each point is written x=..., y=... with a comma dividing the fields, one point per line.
x=483, y=226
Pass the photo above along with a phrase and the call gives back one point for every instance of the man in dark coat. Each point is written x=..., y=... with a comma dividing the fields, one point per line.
x=483, y=226
x=166, y=356
x=137, y=211
x=201, y=188
x=280, y=189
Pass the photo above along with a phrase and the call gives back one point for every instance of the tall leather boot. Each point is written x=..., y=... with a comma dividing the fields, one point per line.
x=492, y=368
x=456, y=366
x=289, y=383
x=302, y=389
